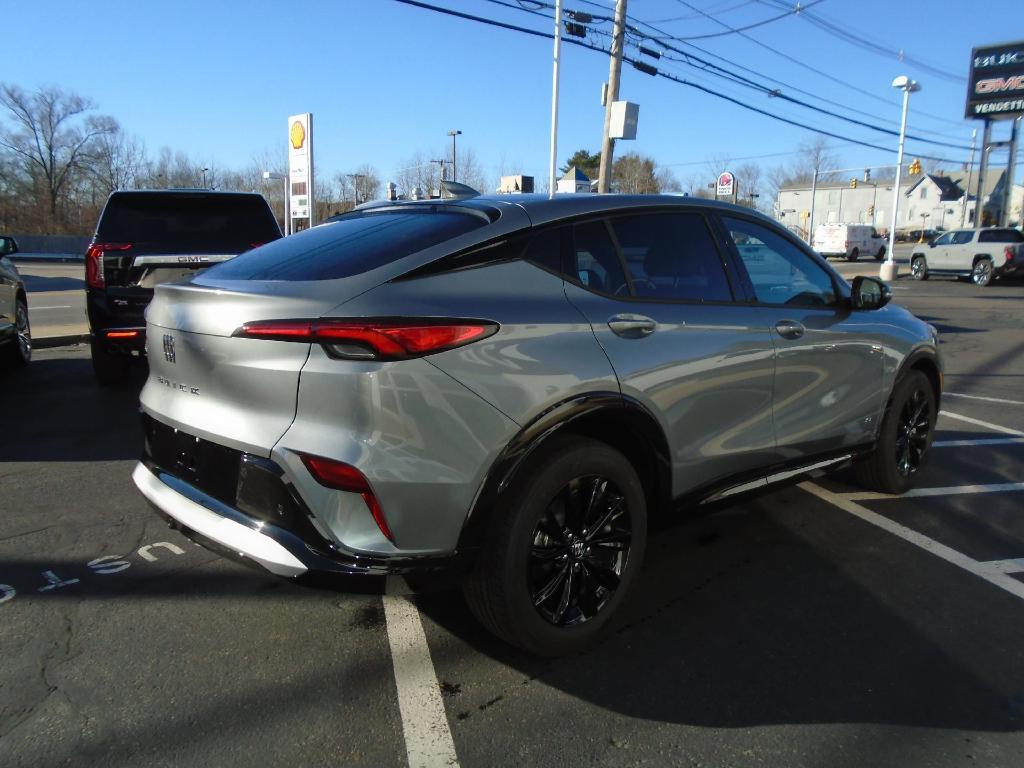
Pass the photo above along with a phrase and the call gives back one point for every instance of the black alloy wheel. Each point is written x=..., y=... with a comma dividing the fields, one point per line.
x=919, y=268
x=912, y=432
x=564, y=548
x=579, y=550
x=904, y=438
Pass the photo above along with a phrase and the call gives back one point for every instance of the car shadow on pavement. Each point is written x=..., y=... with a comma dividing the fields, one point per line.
x=59, y=413
x=943, y=327
x=780, y=614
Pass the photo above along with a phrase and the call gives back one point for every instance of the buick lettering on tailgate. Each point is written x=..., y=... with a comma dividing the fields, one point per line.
x=177, y=385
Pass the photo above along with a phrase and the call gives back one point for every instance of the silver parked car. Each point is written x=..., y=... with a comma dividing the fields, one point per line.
x=505, y=389
x=15, y=332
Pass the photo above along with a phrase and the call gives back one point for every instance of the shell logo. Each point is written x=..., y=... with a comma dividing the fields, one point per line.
x=297, y=135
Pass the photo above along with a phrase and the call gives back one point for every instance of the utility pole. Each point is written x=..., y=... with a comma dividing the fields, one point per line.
x=607, y=143
x=967, y=189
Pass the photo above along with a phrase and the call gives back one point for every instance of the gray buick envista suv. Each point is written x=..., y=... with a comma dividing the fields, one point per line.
x=505, y=389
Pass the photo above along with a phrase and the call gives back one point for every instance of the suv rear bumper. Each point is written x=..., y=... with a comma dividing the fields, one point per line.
x=282, y=552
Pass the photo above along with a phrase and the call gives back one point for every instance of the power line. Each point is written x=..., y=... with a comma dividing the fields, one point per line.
x=735, y=30
x=790, y=59
x=724, y=73
x=687, y=16
x=646, y=67
x=665, y=36
x=859, y=40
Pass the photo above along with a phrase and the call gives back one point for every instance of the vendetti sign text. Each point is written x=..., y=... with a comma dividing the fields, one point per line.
x=995, y=88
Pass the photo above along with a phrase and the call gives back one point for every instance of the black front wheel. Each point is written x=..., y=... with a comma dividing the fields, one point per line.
x=854, y=255
x=919, y=268
x=904, y=439
x=19, y=352
x=561, y=558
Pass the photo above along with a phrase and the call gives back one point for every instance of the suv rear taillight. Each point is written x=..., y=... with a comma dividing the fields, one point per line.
x=371, y=339
x=1008, y=252
x=94, y=262
x=345, y=477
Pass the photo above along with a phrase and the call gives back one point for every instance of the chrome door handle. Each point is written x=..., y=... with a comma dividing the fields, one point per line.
x=632, y=326
x=789, y=329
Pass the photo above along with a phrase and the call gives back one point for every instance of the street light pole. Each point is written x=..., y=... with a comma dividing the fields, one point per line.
x=204, y=177
x=282, y=177
x=453, y=134
x=810, y=221
x=888, y=270
x=554, y=99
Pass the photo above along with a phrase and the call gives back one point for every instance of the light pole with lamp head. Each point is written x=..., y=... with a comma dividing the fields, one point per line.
x=204, y=177
x=889, y=270
x=282, y=177
x=453, y=134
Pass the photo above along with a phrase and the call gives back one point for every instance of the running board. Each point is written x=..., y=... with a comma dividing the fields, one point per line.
x=776, y=477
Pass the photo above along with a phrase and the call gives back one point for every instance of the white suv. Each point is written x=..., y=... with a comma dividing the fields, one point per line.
x=981, y=254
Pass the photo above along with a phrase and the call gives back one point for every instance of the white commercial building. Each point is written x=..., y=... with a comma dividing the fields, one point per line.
x=930, y=201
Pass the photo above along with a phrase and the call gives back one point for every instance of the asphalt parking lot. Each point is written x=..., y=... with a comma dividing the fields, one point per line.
x=817, y=625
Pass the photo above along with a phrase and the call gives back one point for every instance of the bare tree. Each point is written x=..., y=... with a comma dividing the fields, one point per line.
x=360, y=186
x=120, y=160
x=52, y=134
x=748, y=177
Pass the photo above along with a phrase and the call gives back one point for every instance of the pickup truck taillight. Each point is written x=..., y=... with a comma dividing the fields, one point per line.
x=94, y=262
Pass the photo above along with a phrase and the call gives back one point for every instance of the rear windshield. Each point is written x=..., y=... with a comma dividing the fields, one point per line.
x=350, y=245
x=1000, y=236
x=188, y=223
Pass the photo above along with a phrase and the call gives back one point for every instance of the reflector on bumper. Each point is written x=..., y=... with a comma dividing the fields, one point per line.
x=229, y=533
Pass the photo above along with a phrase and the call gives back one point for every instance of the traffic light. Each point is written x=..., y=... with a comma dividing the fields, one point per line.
x=853, y=183
x=915, y=167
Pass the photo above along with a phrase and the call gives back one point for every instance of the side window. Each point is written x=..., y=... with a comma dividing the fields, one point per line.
x=672, y=256
x=595, y=261
x=780, y=272
x=545, y=248
x=999, y=236
x=963, y=237
x=945, y=239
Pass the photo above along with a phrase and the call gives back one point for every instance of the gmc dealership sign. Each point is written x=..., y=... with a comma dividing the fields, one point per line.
x=995, y=87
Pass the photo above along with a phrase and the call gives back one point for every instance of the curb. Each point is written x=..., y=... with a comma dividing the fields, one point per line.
x=49, y=342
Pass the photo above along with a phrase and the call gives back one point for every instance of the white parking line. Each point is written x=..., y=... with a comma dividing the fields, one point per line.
x=980, y=441
x=1007, y=566
x=990, y=572
x=428, y=739
x=980, y=423
x=986, y=399
x=62, y=306
x=949, y=490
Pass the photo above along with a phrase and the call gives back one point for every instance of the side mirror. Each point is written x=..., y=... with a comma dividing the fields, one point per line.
x=8, y=246
x=869, y=293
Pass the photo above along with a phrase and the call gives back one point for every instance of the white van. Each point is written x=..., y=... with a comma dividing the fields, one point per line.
x=849, y=240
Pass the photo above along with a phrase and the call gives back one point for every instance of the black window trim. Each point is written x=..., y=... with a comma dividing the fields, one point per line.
x=607, y=216
x=841, y=290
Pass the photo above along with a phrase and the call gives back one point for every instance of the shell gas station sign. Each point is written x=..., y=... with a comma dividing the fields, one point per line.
x=300, y=168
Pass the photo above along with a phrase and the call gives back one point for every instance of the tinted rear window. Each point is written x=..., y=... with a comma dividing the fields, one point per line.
x=191, y=223
x=350, y=245
x=1000, y=236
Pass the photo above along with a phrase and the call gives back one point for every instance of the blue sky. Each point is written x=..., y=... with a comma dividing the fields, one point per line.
x=385, y=80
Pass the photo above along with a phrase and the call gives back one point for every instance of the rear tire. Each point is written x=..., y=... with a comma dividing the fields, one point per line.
x=881, y=254
x=919, y=268
x=904, y=439
x=18, y=352
x=854, y=255
x=544, y=581
x=108, y=368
